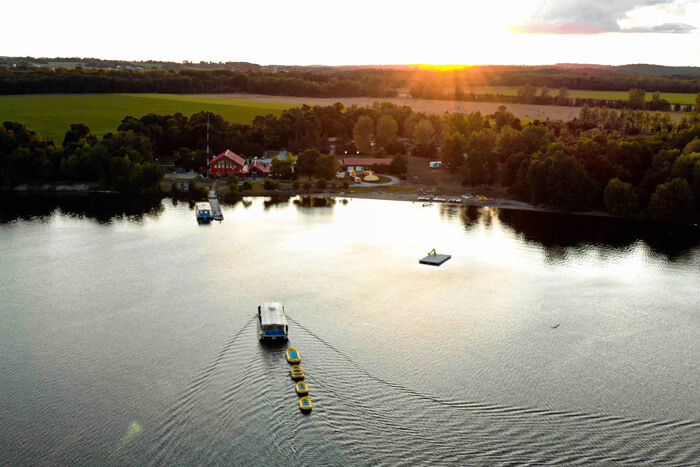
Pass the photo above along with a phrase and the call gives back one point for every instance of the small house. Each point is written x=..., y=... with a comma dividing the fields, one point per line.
x=226, y=163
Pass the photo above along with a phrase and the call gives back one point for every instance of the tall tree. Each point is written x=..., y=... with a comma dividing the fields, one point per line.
x=527, y=94
x=307, y=161
x=452, y=149
x=563, y=95
x=362, y=133
x=423, y=134
x=636, y=98
x=326, y=166
x=387, y=129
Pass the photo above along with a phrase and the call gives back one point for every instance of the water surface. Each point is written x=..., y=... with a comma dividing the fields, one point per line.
x=128, y=335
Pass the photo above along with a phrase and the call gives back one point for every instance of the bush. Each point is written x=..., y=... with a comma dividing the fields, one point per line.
x=233, y=188
x=246, y=186
x=345, y=185
x=296, y=184
x=321, y=184
x=232, y=179
x=192, y=186
x=307, y=185
x=270, y=184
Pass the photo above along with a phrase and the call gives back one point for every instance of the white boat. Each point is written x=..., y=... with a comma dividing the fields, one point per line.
x=272, y=322
x=203, y=212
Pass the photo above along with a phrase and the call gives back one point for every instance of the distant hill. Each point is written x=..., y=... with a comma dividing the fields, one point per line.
x=642, y=69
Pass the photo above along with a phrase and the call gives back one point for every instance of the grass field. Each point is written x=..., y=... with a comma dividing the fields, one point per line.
x=673, y=98
x=52, y=114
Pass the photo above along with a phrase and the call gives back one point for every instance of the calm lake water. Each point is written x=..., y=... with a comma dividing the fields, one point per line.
x=128, y=335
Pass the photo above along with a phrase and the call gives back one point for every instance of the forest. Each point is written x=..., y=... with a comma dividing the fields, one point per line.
x=628, y=163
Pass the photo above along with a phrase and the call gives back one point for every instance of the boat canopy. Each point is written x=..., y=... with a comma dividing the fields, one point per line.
x=272, y=313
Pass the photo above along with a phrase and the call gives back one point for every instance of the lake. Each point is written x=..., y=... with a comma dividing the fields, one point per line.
x=128, y=335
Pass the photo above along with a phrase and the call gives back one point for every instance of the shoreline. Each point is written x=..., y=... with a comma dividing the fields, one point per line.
x=500, y=203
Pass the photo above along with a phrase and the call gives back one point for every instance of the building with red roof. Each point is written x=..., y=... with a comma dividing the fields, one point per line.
x=259, y=169
x=360, y=164
x=228, y=162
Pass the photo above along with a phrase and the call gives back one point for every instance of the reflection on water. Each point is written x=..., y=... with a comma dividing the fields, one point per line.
x=276, y=201
x=560, y=231
x=314, y=202
x=556, y=232
x=104, y=208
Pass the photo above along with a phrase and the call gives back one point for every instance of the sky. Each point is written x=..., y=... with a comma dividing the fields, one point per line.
x=358, y=32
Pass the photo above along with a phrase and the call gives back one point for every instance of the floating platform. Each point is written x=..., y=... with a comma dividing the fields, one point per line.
x=216, y=212
x=434, y=259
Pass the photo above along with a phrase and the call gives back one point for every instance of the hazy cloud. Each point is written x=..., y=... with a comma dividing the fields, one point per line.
x=677, y=28
x=597, y=16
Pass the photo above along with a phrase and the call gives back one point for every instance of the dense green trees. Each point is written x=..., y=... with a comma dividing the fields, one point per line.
x=281, y=169
x=599, y=160
x=122, y=161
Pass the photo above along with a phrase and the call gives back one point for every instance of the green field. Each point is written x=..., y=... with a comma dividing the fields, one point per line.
x=51, y=115
x=673, y=98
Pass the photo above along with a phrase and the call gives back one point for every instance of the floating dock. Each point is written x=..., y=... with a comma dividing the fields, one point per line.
x=434, y=259
x=216, y=212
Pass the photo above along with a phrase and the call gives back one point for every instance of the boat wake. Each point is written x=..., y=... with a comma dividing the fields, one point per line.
x=243, y=409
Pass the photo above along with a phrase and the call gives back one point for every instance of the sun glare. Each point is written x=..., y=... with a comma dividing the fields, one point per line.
x=427, y=66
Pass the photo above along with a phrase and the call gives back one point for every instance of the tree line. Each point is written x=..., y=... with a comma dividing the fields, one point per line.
x=628, y=162
x=122, y=161
x=86, y=80
x=547, y=86
x=600, y=160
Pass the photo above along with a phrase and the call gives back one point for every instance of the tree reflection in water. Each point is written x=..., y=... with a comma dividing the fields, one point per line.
x=104, y=208
x=314, y=202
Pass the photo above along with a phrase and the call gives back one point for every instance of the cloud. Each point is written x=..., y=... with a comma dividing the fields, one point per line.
x=597, y=16
x=676, y=28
